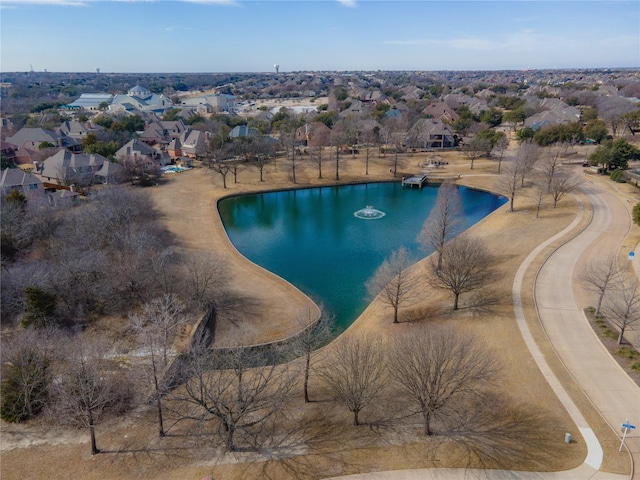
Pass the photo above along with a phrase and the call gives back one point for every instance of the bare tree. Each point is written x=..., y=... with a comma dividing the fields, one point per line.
x=157, y=326
x=221, y=166
x=476, y=148
x=288, y=140
x=392, y=282
x=315, y=333
x=88, y=387
x=137, y=170
x=440, y=369
x=260, y=151
x=539, y=192
x=207, y=278
x=239, y=390
x=369, y=140
x=549, y=164
x=317, y=158
x=27, y=357
x=600, y=276
x=165, y=267
x=562, y=184
x=508, y=183
x=526, y=159
x=397, y=131
x=501, y=146
x=354, y=371
x=444, y=220
x=351, y=127
x=467, y=265
x=612, y=108
x=337, y=140
x=622, y=309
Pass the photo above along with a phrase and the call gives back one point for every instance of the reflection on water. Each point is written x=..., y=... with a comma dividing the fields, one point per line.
x=311, y=237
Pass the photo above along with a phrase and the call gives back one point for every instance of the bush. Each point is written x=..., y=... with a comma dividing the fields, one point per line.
x=636, y=213
x=626, y=352
x=618, y=176
x=40, y=307
x=25, y=387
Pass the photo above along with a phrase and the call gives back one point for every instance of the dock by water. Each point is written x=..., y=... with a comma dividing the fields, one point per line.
x=417, y=180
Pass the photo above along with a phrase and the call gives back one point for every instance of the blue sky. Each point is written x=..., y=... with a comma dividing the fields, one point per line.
x=245, y=36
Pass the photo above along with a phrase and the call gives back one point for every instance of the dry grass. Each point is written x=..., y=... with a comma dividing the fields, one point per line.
x=319, y=444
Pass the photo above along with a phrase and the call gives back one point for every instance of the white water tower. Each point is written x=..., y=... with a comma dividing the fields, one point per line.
x=277, y=67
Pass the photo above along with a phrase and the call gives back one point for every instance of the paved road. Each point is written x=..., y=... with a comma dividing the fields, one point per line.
x=608, y=387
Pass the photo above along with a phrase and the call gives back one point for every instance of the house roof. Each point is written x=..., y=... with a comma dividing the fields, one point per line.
x=139, y=91
x=91, y=100
x=427, y=128
x=75, y=129
x=174, y=144
x=109, y=168
x=33, y=135
x=135, y=147
x=16, y=177
x=63, y=194
x=242, y=131
x=440, y=109
x=61, y=162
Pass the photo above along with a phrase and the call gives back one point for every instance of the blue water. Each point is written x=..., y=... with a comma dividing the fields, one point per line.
x=311, y=238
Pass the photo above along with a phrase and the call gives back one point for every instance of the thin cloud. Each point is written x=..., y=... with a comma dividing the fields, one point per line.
x=84, y=3
x=229, y=3
x=347, y=3
x=63, y=3
x=517, y=41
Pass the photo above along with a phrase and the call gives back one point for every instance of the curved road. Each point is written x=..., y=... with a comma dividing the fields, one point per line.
x=604, y=382
x=612, y=392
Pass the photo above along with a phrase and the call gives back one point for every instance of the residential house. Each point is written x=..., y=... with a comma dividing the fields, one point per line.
x=428, y=133
x=28, y=158
x=411, y=92
x=90, y=101
x=6, y=128
x=314, y=134
x=8, y=151
x=190, y=144
x=63, y=196
x=174, y=149
x=551, y=111
x=72, y=168
x=242, y=131
x=372, y=96
x=211, y=103
x=356, y=109
x=454, y=100
x=135, y=150
x=24, y=182
x=140, y=99
x=110, y=173
x=162, y=131
x=442, y=111
x=32, y=138
x=77, y=130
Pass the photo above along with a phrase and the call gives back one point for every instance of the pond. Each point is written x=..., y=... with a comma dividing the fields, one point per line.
x=312, y=238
